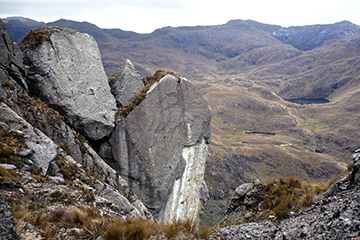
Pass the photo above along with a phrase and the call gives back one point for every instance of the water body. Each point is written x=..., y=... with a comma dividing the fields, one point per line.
x=308, y=100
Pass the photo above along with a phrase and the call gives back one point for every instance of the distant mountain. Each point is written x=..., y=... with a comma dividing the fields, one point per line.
x=17, y=27
x=246, y=69
x=309, y=37
x=89, y=28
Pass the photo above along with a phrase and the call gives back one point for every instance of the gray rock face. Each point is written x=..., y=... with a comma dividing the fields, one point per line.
x=162, y=140
x=335, y=215
x=7, y=224
x=245, y=203
x=247, y=194
x=125, y=84
x=67, y=74
x=11, y=57
x=42, y=150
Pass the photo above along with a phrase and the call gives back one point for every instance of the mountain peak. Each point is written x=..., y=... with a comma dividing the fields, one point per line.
x=22, y=21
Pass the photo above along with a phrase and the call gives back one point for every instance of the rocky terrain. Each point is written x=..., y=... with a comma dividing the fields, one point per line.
x=57, y=106
x=334, y=215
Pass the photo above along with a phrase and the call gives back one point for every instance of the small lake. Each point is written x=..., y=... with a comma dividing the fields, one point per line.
x=308, y=100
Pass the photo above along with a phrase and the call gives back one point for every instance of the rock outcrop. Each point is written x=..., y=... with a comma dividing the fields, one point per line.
x=66, y=72
x=161, y=146
x=37, y=144
x=247, y=195
x=334, y=215
x=158, y=151
x=125, y=84
x=40, y=150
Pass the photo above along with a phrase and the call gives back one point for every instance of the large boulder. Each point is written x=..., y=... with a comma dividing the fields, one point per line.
x=125, y=84
x=66, y=72
x=160, y=148
x=40, y=149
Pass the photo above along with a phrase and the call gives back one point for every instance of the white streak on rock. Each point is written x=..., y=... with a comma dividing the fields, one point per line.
x=184, y=201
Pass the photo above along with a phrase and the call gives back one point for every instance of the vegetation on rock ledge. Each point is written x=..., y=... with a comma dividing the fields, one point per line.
x=35, y=38
x=278, y=199
x=148, y=82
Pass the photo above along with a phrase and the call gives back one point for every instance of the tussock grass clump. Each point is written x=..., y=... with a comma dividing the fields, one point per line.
x=204, y=232
x=130, y=228
x=184, y=228
x=35, y=38
x=40, y=220
x=51, y=223
x=290, y=194
x=171, y=230
x=159, y=74
x=59, y=214
x=20, y=213
x=10, y=175
x=148, y=82
x=95, y=230
x=5, y=150
x=68, y=170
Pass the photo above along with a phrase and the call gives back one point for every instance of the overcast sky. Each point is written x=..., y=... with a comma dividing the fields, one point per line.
x=144, y=16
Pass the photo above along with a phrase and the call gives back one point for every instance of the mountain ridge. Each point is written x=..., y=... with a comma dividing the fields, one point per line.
x=350, y=28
